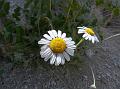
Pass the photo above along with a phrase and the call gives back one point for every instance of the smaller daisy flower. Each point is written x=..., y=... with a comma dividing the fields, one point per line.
x=88, y=34
x=56, y=47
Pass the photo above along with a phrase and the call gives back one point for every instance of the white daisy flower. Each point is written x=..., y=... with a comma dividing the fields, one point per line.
x=56, y=47
x=88, y=34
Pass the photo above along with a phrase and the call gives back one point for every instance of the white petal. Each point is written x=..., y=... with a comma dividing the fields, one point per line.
x=81, y=27
x=67, y=57
x=51, y=34
x=85, y=35
x=52, y=61
x=81, y=31
x=93, y=40
x=47, y=37
x=71, y=47
x=62, y=60
x=58, y=60
x=70, y=42
x=96, y=39
x=63, y=35
x=54, y=33
x=68, y=39
x=48, y=56
x=43, y=41
x=90, y=38
x=41, y=53
x=44, y=47
x=70, y=51
x=86, y=38
x=59, y=33
x=46, y=52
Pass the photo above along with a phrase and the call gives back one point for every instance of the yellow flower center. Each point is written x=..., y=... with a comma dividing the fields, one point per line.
x=57, y=45
x=90, y=31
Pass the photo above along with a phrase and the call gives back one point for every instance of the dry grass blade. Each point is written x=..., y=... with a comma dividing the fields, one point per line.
x=111, y=36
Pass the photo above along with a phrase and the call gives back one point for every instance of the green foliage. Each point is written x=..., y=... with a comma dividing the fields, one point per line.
x=116, y=11
x=41, y=16
x=4, y=8
x=16, y=13
x=113, y=8
x=1, y=71
x=99, y=2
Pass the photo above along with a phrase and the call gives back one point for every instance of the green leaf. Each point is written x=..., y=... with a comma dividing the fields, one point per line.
x=2, y=14
x=16, y=13
x=4, y=8
x=99, y=2
x=27, y=3
x=116, y=11
x=1, y=3
x=19, y=34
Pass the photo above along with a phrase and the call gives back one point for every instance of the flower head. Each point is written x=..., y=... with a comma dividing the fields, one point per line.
x=56, y=47
x=88, y=34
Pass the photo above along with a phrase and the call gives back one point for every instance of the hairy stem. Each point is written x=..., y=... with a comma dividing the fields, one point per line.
x=80, y=42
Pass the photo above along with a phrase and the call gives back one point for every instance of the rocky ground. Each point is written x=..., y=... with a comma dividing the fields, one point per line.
x=104, y=59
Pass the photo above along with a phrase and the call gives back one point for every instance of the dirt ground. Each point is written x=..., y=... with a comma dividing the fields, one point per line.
x=104, y=59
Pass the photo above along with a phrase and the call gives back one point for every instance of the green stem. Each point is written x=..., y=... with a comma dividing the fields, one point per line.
x=66, y=20
x=51, y=7
x=50, y=23
x=80, y=42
